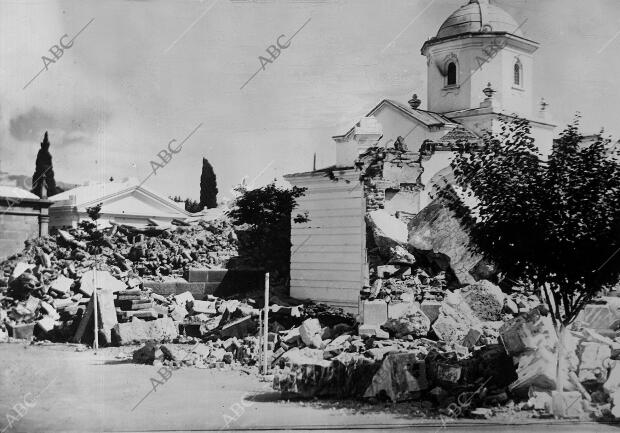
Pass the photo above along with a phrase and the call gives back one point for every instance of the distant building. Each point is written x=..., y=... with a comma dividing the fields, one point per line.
x=122, y=202
x=23, y=216
x=480, y=70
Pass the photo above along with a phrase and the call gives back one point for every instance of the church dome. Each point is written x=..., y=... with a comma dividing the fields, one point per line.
x=478, y=16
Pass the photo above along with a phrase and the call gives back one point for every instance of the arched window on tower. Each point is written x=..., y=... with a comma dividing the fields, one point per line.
x=451, y=74
x=518, y=74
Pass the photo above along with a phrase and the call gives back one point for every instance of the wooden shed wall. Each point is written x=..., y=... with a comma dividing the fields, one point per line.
x=328, y=254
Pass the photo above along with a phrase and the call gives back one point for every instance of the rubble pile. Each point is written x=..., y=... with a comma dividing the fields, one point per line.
x=152, y=252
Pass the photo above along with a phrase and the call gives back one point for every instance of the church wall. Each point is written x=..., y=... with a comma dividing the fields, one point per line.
x=475, y=70
x=516, y=99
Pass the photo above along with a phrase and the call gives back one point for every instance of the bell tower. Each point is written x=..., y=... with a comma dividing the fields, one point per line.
x=479, y=44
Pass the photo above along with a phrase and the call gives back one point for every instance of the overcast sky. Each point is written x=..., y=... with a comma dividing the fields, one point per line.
x=143, y=73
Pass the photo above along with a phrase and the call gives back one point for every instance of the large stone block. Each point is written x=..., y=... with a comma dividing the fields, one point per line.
x=437, y=234
x=412, y=322
x=374, y=312
x=399, y=377
x=310, y=332
x=593, y=358
x=528, y=332
x=536, y=368
x=454, y=322
x=485, y=299
x=388, y=231
x=140, y=331
x=101, y=280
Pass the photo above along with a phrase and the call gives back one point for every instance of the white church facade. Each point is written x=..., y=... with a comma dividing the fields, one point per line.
x=480, y=70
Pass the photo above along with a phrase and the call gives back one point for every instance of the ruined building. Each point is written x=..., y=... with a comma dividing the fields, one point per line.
x=480, y=69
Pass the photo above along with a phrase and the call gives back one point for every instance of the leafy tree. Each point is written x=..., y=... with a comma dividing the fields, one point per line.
x=189, y=204
x=208, y=186
x=266, y=214
x=193, y=206
x=554, y=224
x=44, y=171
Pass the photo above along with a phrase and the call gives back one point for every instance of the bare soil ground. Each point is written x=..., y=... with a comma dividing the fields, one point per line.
x=56, y=387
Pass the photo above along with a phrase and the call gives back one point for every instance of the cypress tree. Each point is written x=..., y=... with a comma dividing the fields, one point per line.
x=208, y=186
x=44, y=170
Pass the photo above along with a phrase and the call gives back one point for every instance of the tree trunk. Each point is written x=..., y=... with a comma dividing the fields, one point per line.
x=558, y=403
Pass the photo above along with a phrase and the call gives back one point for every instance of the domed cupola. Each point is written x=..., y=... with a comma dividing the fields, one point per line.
x=478, y=16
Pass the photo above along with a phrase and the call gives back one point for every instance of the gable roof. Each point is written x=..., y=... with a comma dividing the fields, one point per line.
x=427, y=118
x=89, y=195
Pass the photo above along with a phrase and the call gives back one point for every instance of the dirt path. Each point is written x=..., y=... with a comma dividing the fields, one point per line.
x=56, y=388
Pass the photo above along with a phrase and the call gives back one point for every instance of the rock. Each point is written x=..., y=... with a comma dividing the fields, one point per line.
x=538, y=369
x=184, y=298
x=239, y=328
x=22, y=331
x=600, y=316
x=374, y=312
x=386, y=271
x=20, y=268
x=388, y=231
x=337, y=345
x=592, y=362
x=436, y=233
x=485, y=299
x=32, y=304
x=46, y=324
x=528, y=332
x=481, y=412
x=613, y=380
x=148, y=353
x=400, y=256
x=567, y=404
x=203, y=307
x=399, y=377
x=431, y=309
x=454, y=322
x=310, y=332
x=107, y=314
x=414, y=322
x=61, y=285
x=373, y=331
x=49, y=310
x=101, y=280
x=292, y=337
x=178, y=313
x=615, y=404
x=511, y=306
x=540, y=400
x=140, y=331
x=472, y=338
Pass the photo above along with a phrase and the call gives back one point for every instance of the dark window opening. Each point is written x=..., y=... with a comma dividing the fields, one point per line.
x=451, y=74
x=517, y=74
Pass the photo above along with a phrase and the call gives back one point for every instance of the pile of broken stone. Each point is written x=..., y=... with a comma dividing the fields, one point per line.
x=467, y=348
x=472, y=343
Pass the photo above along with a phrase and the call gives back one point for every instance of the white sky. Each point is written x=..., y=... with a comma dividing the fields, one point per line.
x=146, y=72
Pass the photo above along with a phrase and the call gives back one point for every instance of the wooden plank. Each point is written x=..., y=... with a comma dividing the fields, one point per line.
x=328, y=222
x=299, y=230
x=340, y=285
x=334, y=250
x=302, y=257
x=326, y=295
x=328, y=266
x=332, y=212
x=345, y=240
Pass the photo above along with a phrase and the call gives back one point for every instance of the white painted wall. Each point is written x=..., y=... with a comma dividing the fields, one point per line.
x=328, y=254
